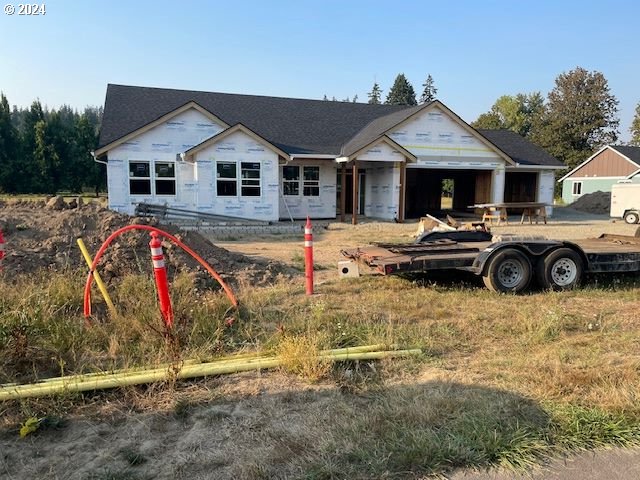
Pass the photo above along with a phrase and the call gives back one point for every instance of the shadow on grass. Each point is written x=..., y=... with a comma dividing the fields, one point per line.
x=391, y=432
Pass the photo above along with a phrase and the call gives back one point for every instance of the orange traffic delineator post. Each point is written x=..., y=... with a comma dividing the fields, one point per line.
x=160, y=273
x=308, y=256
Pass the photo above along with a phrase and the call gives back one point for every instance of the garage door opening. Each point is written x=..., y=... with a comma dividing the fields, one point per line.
x=438, y=192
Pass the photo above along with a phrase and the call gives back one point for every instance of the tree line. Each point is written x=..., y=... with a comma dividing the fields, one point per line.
x=577, y=117
x=46, y=150
x=401, y=93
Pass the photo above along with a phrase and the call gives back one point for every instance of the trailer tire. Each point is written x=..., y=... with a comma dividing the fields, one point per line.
x=509, y=270
x=561, y=269
x=631, y=217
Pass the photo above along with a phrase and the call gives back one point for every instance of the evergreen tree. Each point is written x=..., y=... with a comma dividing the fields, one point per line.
x=635, y=128
x=8, y=147
x=27, y=175
x=430, y=90
x=91, y=174
x=401, y=92
x=580, y=117
x=375, y=95
x=355, y=98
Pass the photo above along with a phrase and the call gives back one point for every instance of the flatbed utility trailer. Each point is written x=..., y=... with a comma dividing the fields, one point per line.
x=506, y=263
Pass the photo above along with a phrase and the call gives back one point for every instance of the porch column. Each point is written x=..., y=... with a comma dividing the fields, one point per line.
x=343, y=190
x=356, y=194
x=403, y=190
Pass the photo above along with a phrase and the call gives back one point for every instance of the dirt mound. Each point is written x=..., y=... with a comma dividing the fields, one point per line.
x=43, y=236
x=596, y=202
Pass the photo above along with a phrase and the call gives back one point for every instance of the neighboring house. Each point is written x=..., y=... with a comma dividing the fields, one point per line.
x=609, y=165
x=272, y=158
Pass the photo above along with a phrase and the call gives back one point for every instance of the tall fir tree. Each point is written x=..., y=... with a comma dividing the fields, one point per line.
x=581, y=116
x=27, y=175
x=635, y=128
x=375, y=95
x=430, y=91
x=402, y=92
x=8, y=147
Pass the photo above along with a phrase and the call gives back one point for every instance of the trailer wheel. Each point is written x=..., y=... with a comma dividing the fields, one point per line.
x=560, y=270
x=631, y=217
x=508, y=271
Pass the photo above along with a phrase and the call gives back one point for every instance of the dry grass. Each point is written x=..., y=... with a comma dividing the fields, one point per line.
x=504, y=379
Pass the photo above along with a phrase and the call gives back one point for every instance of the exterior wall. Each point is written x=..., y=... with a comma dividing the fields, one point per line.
x=440, y=142
x=589, y=185
x=299, y=206
x=382, y=190
x=238, y=147
x=381, y=152
x=546, y=184
x=160, y=144
x=607, y=163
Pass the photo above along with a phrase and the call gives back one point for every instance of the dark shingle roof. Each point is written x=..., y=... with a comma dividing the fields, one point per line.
x=631, y=152
x=376, y=128
x=293, y=125
x=520, y=149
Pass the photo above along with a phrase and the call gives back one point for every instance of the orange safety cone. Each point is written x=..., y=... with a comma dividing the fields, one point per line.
x=308, y=256
x=162, y=284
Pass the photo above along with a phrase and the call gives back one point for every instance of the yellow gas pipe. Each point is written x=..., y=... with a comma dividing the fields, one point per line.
x=81, y=383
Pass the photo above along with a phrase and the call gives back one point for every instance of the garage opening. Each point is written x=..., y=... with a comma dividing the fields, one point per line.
x=443, y=191
x=520, y=186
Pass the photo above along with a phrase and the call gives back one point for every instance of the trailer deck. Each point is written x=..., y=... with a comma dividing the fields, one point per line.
x=561, y=260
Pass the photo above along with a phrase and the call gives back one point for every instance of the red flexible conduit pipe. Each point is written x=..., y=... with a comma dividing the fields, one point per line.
x=107, y=242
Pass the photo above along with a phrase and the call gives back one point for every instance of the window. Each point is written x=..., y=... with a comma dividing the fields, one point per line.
x=250, y=179
x=165, y=178
x=311, y=181
x=577, y=188
x=227, y=183
x=291, y=180
x=139, y=178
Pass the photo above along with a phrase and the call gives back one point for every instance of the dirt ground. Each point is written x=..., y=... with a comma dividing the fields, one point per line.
x=566, y=223
x=248, y=424
x=41, y=235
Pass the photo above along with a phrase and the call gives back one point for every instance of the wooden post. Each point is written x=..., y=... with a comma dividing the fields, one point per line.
x=354, y=215
x=343, y=190
x=403, y=191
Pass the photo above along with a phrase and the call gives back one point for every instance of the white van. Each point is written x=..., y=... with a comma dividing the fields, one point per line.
x=625, y=202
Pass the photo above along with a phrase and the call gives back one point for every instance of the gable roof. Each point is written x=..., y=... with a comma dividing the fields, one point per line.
x=521, y=150
x=238, y=127
x=291, y=124
x=382, y=125
x=630, y=153
x=390, y=142
x=158, y=121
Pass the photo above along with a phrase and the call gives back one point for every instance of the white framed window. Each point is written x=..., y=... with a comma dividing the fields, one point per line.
x=311, y=181
x=227, y=179
x=139, y=178
x=307, y=184
x=577, y=188
x=291, y=180
x=250, y=179
x=165, y=178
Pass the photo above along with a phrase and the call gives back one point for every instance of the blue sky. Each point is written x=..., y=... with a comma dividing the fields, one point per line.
x=475, y=51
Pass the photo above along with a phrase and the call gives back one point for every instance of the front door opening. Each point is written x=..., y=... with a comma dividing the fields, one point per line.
x=348, y=207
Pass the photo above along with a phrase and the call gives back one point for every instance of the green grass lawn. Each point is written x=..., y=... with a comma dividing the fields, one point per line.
x=503, y=379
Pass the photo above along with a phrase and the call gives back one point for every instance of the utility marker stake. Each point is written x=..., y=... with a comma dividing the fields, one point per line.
x=308, y=256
